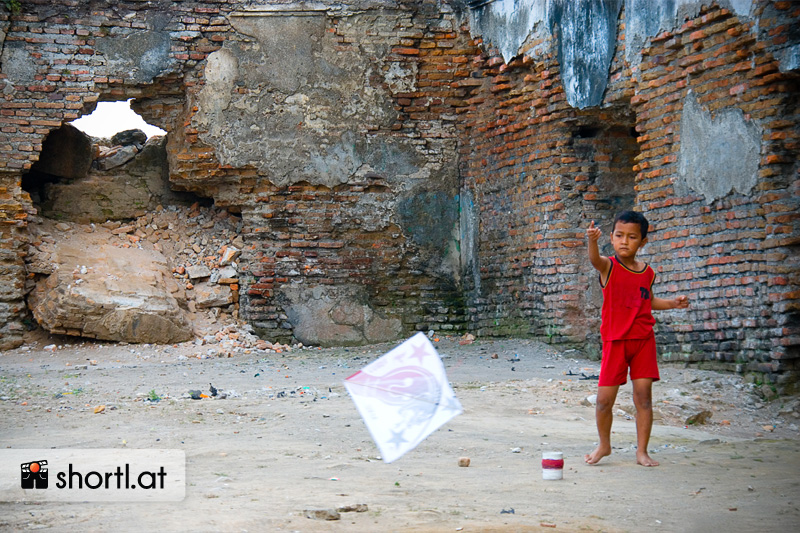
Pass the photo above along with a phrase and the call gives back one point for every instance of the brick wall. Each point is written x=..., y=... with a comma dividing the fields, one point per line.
x=531, y=171
x=541, y=170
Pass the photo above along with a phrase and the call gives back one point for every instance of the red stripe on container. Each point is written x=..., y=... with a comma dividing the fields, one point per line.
x=553, y=463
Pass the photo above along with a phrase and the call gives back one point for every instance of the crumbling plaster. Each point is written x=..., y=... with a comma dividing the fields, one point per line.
x=585, y=33
x=718, y=154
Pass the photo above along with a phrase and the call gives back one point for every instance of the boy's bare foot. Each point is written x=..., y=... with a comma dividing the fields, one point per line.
x=597, y=454
x=645, y=460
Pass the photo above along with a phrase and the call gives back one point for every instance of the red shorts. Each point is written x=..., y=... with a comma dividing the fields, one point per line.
x=637, y=354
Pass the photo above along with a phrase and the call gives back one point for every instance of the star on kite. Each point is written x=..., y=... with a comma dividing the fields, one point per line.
x=419, y=352
x=397, y=438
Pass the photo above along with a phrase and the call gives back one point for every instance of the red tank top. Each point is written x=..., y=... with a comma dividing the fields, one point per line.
x=627, y=303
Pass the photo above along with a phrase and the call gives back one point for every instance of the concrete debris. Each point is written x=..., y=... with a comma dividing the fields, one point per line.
x=129, y=137
x=157, y=278
x=198, y=271
x=116, y=156
x=322, y=514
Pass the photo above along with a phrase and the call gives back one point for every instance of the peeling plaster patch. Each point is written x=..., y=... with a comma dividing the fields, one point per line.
x=221, y=72
x=469, y=226
x=139, y=56
x=293, y=102
x=431, y=219
x=335, y=316
x=717, y=154
x=789, y=58
x=289, y=46
x=587, y=39
x=741, y=7
x=18, y=65
x=507, y=24
x=400, y=79
x=645, y=19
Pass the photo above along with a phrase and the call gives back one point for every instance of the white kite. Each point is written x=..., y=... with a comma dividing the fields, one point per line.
x=403, y=396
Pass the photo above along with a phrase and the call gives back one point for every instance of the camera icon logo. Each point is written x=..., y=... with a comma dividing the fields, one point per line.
x=34, y=475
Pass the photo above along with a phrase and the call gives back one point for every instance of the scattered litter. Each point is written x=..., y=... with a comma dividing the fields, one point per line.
x=507, y=511
x=590, y=400
x=469, y=338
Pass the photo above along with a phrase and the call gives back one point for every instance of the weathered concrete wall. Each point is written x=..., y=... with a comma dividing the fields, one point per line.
x=697, y=128
x=338, y=132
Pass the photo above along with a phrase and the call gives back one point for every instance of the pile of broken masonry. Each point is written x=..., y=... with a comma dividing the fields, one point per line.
x=168, y=276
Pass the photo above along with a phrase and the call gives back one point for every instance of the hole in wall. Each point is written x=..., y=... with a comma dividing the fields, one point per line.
x=107, y=223
x=110, y=165
x=585, y=132
x=109, y=118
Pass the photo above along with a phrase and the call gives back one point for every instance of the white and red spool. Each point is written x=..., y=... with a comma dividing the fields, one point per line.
x=552, y=465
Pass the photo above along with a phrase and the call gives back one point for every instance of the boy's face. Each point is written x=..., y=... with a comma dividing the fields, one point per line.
x=626, y=238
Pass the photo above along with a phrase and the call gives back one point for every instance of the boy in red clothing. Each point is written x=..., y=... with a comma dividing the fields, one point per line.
x=626, y=330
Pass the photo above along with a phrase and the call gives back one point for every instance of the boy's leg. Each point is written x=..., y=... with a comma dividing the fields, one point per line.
x=643, y=400
x=644, y=371
x=606, y=396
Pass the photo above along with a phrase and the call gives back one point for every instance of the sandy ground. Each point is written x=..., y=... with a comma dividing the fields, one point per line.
x=258, y=459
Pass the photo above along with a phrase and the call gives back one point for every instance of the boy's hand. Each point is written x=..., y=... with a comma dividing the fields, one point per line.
x=681, y=302
x=593, y=233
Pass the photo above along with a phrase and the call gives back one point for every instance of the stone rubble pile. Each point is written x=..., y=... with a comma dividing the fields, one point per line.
x=238, y=338
x=199, y=247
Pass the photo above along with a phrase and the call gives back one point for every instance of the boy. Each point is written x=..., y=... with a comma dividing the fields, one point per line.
x=626, y=330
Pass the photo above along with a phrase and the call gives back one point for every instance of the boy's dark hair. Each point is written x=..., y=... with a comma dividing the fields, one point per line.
x=632, y=217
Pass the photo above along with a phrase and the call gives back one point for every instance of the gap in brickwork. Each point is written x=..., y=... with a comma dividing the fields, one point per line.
x=606, y=148
x=602, y=181
x=110, y=137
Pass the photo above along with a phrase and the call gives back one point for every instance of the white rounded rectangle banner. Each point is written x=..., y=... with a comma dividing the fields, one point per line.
x=92, y=475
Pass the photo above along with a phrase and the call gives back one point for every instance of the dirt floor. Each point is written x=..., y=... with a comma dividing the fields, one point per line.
x=287, y=440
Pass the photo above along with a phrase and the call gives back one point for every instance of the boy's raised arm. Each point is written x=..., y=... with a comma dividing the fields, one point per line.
x=601, y=263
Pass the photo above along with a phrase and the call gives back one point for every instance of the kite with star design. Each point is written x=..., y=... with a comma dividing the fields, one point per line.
x=403, y=396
